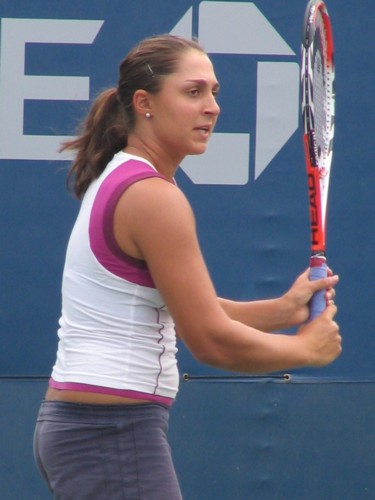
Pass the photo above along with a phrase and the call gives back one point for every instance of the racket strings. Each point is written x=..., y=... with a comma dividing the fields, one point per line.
x=320, y=100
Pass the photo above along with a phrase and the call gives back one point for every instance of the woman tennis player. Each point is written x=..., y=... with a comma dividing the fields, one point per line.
x=134, y=278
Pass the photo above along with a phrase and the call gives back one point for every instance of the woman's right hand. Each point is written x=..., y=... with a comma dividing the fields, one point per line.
x=321, y=337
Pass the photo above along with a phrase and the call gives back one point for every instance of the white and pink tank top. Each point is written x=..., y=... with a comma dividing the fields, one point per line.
x=116, y=335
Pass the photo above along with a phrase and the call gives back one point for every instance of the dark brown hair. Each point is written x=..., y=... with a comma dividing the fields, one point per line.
x=105, y=130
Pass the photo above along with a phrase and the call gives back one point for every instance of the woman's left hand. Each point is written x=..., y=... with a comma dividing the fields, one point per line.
x=300, y=293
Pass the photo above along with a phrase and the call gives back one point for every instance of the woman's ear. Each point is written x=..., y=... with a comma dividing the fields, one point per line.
x=141, y=102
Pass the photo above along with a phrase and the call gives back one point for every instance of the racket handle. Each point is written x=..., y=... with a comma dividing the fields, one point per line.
x=318, y=270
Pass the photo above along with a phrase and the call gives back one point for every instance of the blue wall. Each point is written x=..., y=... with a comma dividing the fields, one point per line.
x=233, y=438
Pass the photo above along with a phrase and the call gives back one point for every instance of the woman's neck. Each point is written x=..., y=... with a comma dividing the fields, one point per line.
x=156, y=156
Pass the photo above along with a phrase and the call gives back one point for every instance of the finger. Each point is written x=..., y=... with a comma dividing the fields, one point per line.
x=330, y=294
x=330, y=310
x=327, y=283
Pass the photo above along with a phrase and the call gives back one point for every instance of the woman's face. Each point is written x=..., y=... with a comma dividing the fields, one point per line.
x=185, y=110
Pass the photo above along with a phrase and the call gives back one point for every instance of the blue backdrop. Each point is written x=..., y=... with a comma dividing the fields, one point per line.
x=252, y=215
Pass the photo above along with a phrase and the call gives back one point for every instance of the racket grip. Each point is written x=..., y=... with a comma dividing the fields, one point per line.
x=318, y=270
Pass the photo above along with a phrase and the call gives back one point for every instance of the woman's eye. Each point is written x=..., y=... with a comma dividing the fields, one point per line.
x=194, y=92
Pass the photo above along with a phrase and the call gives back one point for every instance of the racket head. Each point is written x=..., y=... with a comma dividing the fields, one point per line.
x=318, y=111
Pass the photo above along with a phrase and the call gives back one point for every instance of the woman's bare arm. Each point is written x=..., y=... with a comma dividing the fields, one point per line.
x=154, y=221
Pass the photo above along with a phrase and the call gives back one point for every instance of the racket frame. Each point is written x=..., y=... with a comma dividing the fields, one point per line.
x=318, y=162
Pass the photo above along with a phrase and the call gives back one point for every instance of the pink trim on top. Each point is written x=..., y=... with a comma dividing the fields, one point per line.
x=125, y=393
x=102, y=240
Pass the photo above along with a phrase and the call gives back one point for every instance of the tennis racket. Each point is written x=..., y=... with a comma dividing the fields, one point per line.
x=318, y=111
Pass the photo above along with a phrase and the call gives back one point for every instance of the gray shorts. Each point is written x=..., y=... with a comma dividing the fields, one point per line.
x=101, y=452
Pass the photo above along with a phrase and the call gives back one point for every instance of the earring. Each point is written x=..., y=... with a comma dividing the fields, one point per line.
x=148, y=115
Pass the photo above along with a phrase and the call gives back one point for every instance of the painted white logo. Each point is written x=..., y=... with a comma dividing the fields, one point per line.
x=240, y=28
x=224, y=28
x=15, y=86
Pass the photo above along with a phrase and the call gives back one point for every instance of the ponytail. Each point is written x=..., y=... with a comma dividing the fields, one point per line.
x=103, y=133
